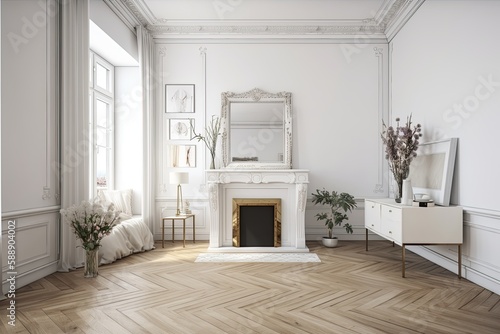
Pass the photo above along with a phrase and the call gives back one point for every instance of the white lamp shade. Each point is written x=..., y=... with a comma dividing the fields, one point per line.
x=179, y=177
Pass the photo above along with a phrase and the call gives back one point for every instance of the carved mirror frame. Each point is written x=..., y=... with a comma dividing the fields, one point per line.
x=255, y=96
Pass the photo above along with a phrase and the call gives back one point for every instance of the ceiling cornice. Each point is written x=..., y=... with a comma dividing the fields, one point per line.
x=124, y=13
x=140, y=10
x=370, y=28
x=405, y=13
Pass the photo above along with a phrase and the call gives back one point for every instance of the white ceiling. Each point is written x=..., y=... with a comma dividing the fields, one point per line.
x=263, y=9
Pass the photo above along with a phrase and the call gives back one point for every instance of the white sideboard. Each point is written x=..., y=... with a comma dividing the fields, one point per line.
x=408, y=225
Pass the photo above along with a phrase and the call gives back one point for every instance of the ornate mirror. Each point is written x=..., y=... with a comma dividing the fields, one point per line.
x=257, y=130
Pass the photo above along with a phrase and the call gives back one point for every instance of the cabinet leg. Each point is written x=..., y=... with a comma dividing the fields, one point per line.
x=403, y=260
x=163, y=233
x=366, y=239
x=184, y=233
x=459, y=261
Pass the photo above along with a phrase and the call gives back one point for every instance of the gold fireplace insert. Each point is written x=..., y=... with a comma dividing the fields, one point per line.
x=238, y=203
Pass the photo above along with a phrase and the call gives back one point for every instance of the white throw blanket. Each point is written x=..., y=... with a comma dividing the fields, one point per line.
x=128, y=237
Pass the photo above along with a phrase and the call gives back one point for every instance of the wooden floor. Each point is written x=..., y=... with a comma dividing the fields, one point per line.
x=350, y=291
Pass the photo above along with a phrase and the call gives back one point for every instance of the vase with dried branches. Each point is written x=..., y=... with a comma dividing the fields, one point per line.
x=401, y=144
x=212, y=132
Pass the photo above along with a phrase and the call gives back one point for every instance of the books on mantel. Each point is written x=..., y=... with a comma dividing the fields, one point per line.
x=423, y=203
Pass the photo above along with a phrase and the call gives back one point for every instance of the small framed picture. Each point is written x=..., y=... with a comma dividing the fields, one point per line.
x=179, y=98
x=181, y=156
x=180, y=128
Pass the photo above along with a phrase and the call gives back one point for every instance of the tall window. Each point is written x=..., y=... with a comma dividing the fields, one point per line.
x=101, y=123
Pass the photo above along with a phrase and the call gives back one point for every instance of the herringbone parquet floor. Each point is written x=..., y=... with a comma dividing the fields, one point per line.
x=350, y=291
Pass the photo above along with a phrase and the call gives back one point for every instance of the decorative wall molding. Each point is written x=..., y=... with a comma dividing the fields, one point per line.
x=379, y=53
x=29, y=212
x=38, y=228
x=137, y=11
x=203, y=97
x=162, y=51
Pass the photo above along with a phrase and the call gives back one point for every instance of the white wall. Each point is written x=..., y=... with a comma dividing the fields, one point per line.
x=107, y=20
x=128, y=133
x=338, y=98
x=30, y=148
x=445, y=70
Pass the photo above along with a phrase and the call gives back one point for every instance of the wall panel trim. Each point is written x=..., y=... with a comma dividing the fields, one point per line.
x=30, y=212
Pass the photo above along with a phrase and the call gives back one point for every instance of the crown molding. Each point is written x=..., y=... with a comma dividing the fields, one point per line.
x=124, y=13
x=387, y=19
x=140, y=10
x=247, y=30
x=402, y=17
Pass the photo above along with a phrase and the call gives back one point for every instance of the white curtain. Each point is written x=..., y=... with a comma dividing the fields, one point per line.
x=75, y=141
x=146, y=64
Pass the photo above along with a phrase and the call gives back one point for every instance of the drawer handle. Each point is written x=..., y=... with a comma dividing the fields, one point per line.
x=390, y=210
x=373, y=206
x=373, y=225
x=390, y=232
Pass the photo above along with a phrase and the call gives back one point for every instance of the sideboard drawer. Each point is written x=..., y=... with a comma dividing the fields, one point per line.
x=391, y=213
x=372, y=216
x=391, y=220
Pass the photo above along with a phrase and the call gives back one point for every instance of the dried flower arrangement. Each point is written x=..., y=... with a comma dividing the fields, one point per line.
x=212, y=132
x=401, y=147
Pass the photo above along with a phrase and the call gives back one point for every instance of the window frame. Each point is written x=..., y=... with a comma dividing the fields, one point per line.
x=98, y=93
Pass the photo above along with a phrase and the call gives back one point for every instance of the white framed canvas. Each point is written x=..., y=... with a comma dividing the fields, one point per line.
x=431, y=171
x=179, y=98
x=181, y=156
x=180, y=128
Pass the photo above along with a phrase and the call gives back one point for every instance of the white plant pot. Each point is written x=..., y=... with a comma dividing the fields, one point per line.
x=330, y=242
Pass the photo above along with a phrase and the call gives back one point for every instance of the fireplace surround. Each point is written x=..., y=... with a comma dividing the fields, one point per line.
x=288, y=185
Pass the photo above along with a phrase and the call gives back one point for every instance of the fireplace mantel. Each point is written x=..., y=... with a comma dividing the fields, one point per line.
x=288, y=184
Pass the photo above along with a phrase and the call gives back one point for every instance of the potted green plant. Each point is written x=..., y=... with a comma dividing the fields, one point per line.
x=339, y=204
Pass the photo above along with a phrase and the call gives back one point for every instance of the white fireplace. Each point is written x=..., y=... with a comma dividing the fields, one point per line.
x=290, y=185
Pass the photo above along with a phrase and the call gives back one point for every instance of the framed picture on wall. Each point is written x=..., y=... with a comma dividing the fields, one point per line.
x=181, y=156
x=179, y=98
x=180, y=128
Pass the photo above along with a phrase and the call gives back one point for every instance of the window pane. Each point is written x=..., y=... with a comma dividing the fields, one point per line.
x=101, y=113
x=102, y=167
x=91, y=61
x=102, y=74
x=102, y=138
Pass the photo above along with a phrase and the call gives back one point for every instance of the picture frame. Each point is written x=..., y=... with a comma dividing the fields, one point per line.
x=179, y=98
x=431, y=171
x=181, y=156
x=180, y=128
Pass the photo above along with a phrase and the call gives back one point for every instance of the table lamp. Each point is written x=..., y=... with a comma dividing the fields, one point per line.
x=179, y=178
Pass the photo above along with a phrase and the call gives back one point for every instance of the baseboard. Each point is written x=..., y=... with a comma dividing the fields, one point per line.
x=468, y=273
x=29, y=277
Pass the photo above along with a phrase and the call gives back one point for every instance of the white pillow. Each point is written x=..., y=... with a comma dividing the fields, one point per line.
x=122, y=199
